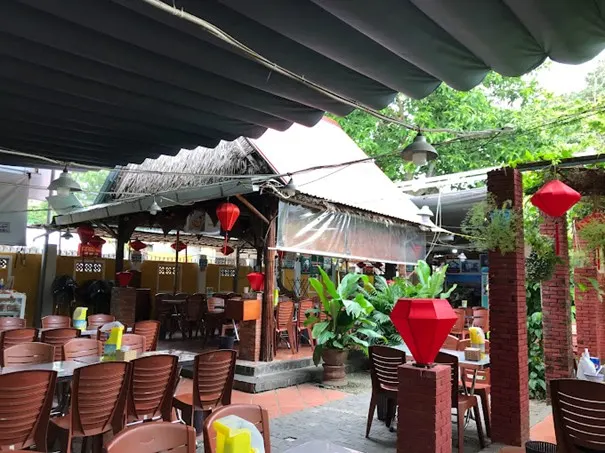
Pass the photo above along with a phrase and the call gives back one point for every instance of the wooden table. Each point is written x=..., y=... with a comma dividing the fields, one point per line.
x=468, y=364
x=84, y=333
x=177, y=313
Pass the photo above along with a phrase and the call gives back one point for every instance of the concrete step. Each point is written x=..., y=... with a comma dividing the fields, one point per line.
x=248, y=368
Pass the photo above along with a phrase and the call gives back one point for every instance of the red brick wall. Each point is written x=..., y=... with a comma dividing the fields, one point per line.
x=508, y=325
x=587, y=311
x=556, y=306
x=250, y=337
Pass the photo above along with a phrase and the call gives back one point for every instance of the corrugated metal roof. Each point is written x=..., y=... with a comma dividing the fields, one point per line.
x=363, y=185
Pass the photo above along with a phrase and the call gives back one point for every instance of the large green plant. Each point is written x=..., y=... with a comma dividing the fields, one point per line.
x=492, y=227
x=347, y=323
x=593, y=234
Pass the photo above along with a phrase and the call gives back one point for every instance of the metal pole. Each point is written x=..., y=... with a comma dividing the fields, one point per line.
x=176, y=262
x=42, y=282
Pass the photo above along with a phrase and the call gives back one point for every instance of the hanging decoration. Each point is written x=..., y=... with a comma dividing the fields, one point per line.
x=86, y=232
x=137, y=245
x=124, y=278
x=91, y=246
x=227, y=214
x=136, y=257
x=226, y=250
x=555, y=198
x=179, y=246
x=257, y=281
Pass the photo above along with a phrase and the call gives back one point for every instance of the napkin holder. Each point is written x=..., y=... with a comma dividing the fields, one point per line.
x=126, y=356
x=472, y=354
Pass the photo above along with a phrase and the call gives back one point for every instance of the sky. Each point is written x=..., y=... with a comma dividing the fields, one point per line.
x=563, y=78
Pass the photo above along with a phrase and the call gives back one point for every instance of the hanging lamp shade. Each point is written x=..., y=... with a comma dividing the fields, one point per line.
x=96, y=241
x=227, y=214
x=64, y=184
x=137, y=245
x=178, y=246
x=555, y=198
x=257, y=281
x=226, y=250
x=85, y=232
x=419, y=151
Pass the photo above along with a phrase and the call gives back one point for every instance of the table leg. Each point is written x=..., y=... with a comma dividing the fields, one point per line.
x=235, y=329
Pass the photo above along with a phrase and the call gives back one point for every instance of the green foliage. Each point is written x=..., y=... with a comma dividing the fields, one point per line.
x=537, y=379
x=348, y=324
x=593, y=233
x=37, y=212
x=491, y=227
x=91, y=183
x=543, y=259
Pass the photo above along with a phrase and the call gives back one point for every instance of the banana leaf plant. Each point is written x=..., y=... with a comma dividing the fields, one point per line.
x=347, y=324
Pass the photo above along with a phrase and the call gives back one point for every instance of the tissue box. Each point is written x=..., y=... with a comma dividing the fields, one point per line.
x=472, y=354
x=126, y=356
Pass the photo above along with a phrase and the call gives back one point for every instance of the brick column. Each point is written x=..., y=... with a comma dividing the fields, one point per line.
x=508, y=324
x=556, y=306
x=249, y=340
x=123, y=304
x=587, y=310
x=424, y=417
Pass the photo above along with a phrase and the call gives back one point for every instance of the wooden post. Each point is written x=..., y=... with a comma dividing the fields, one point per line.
x=236, y=275
x=176, y=263
x=268, y=330
x=120, y=243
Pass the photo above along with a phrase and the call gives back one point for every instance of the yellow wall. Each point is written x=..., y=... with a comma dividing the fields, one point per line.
x=26, y=272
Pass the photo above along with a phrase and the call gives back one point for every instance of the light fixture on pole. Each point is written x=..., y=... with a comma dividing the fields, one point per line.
x=289, y=190
x=64, y=184
x=425, y=215
x=67, y=235
x=419, y=151
x=462, y=257
x=154, y=208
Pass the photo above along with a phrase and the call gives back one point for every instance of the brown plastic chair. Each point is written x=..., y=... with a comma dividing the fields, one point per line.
x=481, y=318
x=11, y=323
x=56, y=322
x=57, y=338
x=81, y=348
x=98, y=403
x=451, y=342
x=195, y=309
x=25, y=402
x=459, y=330
x=578, y=409
x=384, y=362
x=13, y=337
x=134, y=342
x=151, y=331
x=303, y=307
x=462, y=403
x=212, y=384
x=151, y=388
x=28, y=354
x=284, y=324
x=154, y=438
x=99, y=320
x=249, y=412
x=214, y=317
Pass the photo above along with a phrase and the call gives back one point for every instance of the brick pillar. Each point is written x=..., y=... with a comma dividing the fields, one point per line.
x=556, y=306
x=249, y=340
x=508, y=324
x=601, y=317
x=424, y=417
x=587, y=310
x=123, y=304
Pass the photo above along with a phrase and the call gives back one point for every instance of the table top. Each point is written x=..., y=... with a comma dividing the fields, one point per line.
x=479, y=365
x=319, y=446
x=84, y=333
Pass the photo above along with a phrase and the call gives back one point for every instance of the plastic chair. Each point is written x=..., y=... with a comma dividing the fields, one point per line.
x=578, y=409
x=250, y=412
x=151, y=331
x=151, y=388
x=214, y=317
x=459, y=330
x=55, y=321
x=57, y=338
x=384, y=362
x=28, y=354
x=451, y=342
x=98, y=320
x=98, y=402
x=285, y=325
x=462, y=403
x=11, y=323
x=303, y=307
x=13, y=337
x=481, y=318
x=212, y=384
x=81, y=348
x=25, y=402
x=193, y=318
x=154, y=438
x=134, y=342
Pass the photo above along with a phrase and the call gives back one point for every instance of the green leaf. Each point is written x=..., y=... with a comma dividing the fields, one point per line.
x=319, y=289
x=319, y=328
x=352, y=308
x=348, y=286
x=369, y=333
x=328, y=283
x=317, y=354
x=325, y=336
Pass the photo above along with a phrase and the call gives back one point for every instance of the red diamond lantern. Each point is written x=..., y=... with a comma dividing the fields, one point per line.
x=137, y=245
x=257, y=281
x=555, y=198
x=226, y=250
x=123, y=278
x=86, y=232
x=178, y=246
x=424, y=324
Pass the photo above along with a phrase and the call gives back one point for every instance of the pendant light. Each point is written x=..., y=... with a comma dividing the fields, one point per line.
x=64, y=184
x=419, y=151
x=154, y=208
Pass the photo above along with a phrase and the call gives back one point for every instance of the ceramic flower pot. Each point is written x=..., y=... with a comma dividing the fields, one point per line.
x=334, y=367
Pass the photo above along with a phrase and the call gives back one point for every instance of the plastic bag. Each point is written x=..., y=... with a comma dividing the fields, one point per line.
x=79, y=318
x=236, y=435
x=586, y=368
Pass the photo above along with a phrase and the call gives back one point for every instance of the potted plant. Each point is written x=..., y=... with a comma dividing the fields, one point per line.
x=423, y=316
x=341, y=323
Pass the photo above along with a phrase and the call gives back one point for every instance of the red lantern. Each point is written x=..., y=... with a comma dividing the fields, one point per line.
x=178, y=246
x=86, y=232
x=257, y=281
x=424, y=324
x=227, y=214
x=226, y=250
x=96, y=241
x=123, y=279
x=137, y=245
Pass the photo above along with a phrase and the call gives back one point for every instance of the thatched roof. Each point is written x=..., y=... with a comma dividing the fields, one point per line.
x=236, y=157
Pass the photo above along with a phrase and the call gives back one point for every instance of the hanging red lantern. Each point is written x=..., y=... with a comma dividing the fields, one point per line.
x=178, y=246
x=226, y=250
x=137, y=245
x=227, y=214
x=86, y=232
x=96, y=241
x=424, y=324
x=257, y=281
x=123, y=278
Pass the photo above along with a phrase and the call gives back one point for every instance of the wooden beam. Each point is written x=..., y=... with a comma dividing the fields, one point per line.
x=252, y=209
x=268, y=330
x=125, y=229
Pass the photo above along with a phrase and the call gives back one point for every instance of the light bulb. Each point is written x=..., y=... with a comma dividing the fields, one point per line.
x=454, y=250
x=63, y=191
x=419, y=158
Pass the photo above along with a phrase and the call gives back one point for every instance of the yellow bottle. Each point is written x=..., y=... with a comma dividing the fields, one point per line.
x=230, y=440
x=79, y=318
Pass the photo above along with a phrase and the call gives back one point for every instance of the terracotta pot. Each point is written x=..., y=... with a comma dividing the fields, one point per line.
x=334, y=367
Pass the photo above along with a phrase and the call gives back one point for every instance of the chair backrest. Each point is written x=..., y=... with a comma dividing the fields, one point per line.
x=25, y=403
x=460, y=320
x=160, y=307
x=181, y=296
x=213, y=378
x=80, y=348
x=195, y=306
x=303, y=307
x=250, y=412
x=98, y=398
x=448, y=359
x=12, y=337
x=55, y=321
x=481, y=318
x=98, y=320
x=578, y=409
x=154, y=438
x=384, y=362
x=7, y=322
x=134, y=342
x=28, y=354
x=451, y=342
x=151, y=387
x=214, y=303
x=150, y=330
x=57, y=338
x=285, y=313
